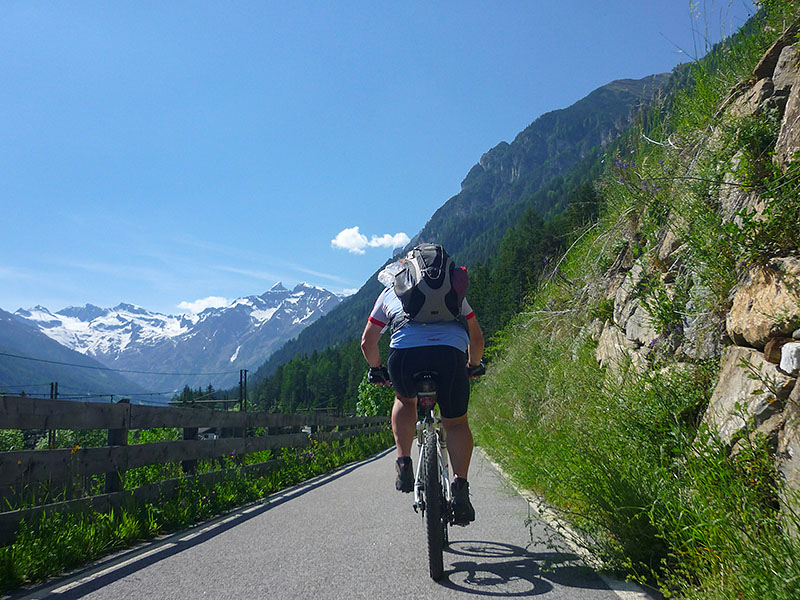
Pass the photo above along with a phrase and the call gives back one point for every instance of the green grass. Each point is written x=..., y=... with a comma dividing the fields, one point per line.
x=626, y=462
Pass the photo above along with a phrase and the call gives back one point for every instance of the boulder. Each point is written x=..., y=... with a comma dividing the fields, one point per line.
x=787, y=70
x=594, y=329
x=613, y=347
x=789, y=136
x=753, y=99
x=612, y=284
x=768, y=64
x=625, y=301
x=790, y=359
x=769, y=430
x=766, y=303
x=703, y=328
x=733, y=198
x=668, y=254
x=749, y=389
x=772, y=351
x=639, y=327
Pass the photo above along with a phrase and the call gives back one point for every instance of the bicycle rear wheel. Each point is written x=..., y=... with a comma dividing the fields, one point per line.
x=434, y=506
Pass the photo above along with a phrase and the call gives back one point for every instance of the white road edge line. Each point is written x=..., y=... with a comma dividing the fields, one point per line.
x=88, y=578
x=626, y=590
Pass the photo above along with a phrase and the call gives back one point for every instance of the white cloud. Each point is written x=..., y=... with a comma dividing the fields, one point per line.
x=398, y=240
x=354, y=241
x=200, y=305
x=350, y=240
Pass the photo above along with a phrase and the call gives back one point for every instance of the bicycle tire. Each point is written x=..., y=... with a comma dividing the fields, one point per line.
x=434, y=504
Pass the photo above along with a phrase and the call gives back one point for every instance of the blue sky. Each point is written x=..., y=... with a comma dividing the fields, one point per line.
x=165, y=153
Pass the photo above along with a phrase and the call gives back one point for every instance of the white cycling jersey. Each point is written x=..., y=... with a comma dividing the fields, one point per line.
x=413, y=334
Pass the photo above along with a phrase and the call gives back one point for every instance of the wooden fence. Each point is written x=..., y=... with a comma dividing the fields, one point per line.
x=58, y=468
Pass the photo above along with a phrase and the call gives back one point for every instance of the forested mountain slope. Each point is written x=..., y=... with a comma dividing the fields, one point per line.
x=508, y=179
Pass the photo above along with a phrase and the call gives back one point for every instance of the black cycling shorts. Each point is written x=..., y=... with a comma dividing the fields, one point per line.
x=452, y=382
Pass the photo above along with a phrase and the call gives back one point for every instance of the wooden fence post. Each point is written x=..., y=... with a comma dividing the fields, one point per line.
x=189, y=466
x=115, y=479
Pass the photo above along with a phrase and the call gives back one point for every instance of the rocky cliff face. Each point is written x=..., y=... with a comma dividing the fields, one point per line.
x=507, y=178
x=559, y=139
x=755, y=332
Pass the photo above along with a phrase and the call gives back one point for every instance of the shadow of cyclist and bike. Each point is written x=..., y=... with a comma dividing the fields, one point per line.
x=507, y=571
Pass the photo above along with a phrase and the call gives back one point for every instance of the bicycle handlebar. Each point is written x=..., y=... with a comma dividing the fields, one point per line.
x=380, y=375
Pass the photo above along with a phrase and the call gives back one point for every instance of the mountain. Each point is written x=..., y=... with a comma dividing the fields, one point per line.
x=509, y=178
x=536, y=170
x=106, y=332
x=85, y=381
x=195, y=350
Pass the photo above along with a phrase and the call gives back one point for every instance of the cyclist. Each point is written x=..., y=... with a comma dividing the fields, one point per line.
x=454, y=352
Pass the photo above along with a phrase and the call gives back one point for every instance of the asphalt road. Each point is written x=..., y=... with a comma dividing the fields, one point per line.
x=349, y=535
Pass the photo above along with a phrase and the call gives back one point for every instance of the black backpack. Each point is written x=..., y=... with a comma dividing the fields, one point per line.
x=425, y=287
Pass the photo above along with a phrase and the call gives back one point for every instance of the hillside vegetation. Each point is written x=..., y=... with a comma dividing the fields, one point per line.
x=605, y=392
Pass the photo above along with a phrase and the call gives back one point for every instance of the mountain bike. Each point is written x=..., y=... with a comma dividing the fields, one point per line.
x=432, y=493
x=432, y=478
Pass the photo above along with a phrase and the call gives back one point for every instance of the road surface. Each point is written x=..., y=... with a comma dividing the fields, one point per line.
x=349, y=535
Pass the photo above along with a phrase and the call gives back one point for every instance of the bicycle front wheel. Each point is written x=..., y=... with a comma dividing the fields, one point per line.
x=434, y=506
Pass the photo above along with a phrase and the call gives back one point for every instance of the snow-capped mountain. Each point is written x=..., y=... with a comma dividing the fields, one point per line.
x=17, y=375
x=107, y=331
x=207, y=348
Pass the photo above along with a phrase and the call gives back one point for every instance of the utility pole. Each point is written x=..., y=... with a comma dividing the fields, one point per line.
x=242, y=390
x=51, y=434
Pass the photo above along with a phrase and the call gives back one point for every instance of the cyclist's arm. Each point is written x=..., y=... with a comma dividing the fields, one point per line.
x=476, y=343
x=369, y=344
x=378, y=318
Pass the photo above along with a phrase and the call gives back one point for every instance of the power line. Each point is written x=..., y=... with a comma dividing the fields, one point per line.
x=25, y=385
x=77, y=393
x=66, y=364
x=78, y=396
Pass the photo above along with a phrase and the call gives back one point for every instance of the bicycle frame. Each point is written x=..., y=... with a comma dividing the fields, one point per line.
x=432, y=424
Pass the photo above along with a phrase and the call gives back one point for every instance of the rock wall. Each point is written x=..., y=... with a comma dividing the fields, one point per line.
x=756, y=336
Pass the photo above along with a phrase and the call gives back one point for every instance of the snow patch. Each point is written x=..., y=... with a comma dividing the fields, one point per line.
x=262, y=316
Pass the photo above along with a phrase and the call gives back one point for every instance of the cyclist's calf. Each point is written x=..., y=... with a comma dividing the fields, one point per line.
x=459, y=444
